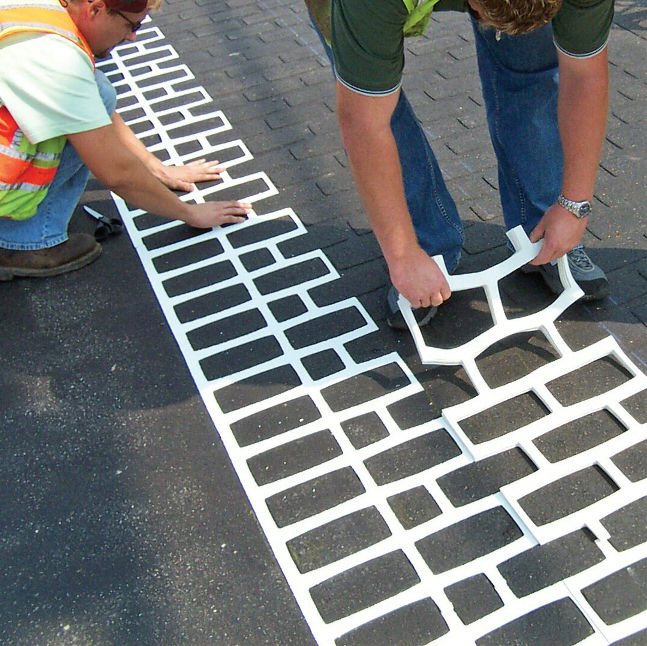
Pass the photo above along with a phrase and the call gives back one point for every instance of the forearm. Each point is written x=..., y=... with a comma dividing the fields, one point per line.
x=137, y=186
x=131, y=143
x=375, y=166
x=117, y=167
x=582, y=113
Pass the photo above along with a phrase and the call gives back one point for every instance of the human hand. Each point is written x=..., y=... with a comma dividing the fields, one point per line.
x=560, y=230
x=419, y=279
x=183, y=178
x=213, y=214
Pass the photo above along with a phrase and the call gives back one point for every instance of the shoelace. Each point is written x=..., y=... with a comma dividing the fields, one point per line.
x=580, y=259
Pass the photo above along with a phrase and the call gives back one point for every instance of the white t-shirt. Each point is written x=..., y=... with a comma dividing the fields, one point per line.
x=48, y=86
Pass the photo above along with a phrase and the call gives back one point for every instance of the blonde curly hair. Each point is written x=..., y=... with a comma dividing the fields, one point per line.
x=516, y=17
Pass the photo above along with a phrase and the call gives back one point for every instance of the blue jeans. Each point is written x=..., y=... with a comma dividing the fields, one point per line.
x=520, y=82
x=48, y=227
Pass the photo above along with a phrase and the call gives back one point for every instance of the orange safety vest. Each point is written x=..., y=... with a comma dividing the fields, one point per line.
x=26, y=169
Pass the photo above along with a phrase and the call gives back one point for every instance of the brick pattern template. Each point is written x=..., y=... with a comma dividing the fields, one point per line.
x=385, y=536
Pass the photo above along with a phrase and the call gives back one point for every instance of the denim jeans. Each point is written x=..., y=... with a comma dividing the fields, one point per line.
x=48, y=227
x=520, y=82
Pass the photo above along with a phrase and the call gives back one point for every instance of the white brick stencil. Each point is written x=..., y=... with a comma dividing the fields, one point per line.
x=263, y=399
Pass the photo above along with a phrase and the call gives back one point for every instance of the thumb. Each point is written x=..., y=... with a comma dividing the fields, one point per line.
x=537, y=233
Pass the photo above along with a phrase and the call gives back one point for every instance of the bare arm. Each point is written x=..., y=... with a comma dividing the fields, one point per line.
x=122, y=172
x=365, y=123
x=180, y=178
x=582, y=114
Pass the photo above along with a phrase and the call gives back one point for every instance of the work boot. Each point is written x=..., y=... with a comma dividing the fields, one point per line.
x=394, y=316
x=78, y=250
x=586, y=273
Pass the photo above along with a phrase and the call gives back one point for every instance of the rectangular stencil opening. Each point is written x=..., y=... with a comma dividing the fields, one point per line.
x=503, y=418
x=588, y=381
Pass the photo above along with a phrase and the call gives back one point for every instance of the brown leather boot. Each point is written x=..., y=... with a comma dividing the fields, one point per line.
x=78, y=250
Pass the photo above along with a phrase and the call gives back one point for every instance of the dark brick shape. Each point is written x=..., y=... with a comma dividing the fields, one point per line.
x=485, y=477
x=287, y=308
x=177, y=101
x=212, y=303
x=636, y=405
x=468, y=539
x=514, y=357
x=189, y=147
x=473, y=598
x=560, y=623
x=275, y=420
x=628, y=525
x=262, y=229
x=322, y=364
x=503, y=418
x=226, y=329
x=199, y=278
x=365, y=278
x=241, y=357
x=412, y=411
x=293, y=457
x=363, y=586
x=414, y=507
x=290, y=276
x=243, y=190
x=337, y=539
x=637, y=639
x=365, y=386
x=414, y=456
x=567, y=495
x=579, y=435
x=414, y=625
x=620, y=595
x=257, y=388
x=257, y=259
x=314, y=496
x=188, y=255
x=167, y=237
x=546, y=564
x=588, y=381
x=325, y=327
x=445, y=386
x=319, y=237
x=364, y=429
x=461, y=319
x=633, y=461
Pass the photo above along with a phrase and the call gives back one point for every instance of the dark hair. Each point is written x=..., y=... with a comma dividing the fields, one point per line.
x=132, y=6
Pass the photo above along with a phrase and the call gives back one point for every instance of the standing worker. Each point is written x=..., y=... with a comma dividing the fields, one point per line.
x=543, y=68
x=58, y=123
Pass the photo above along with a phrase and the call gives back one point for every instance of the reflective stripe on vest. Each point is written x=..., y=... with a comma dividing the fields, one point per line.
x=419, y=16
x=26, y=169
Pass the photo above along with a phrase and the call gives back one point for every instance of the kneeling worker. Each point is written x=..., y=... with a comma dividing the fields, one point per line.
x=58, y=123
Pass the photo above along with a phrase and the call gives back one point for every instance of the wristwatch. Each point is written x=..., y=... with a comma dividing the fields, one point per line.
x=578, y=209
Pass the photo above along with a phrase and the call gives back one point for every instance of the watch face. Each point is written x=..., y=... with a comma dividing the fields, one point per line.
x=585, y=210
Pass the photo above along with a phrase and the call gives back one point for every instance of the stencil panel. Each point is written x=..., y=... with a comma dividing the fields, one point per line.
x=366, y=524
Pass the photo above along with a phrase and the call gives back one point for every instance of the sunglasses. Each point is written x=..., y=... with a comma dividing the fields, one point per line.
x=134, y=26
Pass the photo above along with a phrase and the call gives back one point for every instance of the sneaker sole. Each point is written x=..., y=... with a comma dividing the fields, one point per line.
x=598, y=289
x=398, y=323
x=9, y=273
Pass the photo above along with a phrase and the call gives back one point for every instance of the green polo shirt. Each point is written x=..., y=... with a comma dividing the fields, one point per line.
x=368, y=44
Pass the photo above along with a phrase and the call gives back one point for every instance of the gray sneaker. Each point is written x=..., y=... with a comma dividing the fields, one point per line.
x=394, y=316
x=586, y=273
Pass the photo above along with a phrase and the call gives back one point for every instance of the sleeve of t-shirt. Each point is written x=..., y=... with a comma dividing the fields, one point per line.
x=367, y=44
x=48, y=86
x=581, y=27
